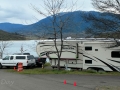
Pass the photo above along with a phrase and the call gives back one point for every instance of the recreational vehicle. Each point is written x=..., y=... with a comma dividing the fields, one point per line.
x=94, y=53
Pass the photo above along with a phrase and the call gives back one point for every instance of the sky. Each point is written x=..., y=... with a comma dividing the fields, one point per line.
x=21, y=11
x=15, y=47
x=28, y=47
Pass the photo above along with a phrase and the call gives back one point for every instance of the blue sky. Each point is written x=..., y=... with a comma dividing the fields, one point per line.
x=21, y=12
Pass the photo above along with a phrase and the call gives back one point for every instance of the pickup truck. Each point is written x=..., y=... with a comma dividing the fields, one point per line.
x=40, y=61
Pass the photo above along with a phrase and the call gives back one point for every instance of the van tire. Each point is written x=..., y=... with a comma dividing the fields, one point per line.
x=0, y=66
x=8, y=67
x=17, y=66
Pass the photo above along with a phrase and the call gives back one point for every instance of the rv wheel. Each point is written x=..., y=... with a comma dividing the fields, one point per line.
x=89, y=68
x=101, y=70
x=92, y=69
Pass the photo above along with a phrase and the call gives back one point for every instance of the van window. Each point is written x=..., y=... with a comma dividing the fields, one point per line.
x=115, y=54
x=11, y=58
x=20, y=57
x=30, y=57
x=6, y=58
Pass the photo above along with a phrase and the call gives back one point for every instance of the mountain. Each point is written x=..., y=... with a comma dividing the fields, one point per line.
x=10, y=36
x=9, y=27
x=76, y=23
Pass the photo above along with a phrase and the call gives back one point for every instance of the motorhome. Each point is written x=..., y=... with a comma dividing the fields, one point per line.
x=82, y=53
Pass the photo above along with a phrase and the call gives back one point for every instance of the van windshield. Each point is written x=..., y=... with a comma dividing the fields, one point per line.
x=30, y=57
x=6, y=58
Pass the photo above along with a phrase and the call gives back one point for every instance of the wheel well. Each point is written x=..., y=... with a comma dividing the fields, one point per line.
x=96, y=68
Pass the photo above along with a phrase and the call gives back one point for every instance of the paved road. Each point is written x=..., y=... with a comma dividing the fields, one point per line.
x=12, y=81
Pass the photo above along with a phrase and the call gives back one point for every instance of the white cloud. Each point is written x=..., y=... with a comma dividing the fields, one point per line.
x=20, y=11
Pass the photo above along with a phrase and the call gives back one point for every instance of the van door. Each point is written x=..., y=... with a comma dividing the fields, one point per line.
x=11, y=61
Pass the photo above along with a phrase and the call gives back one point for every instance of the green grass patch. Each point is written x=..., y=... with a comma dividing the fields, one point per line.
x=55, y=71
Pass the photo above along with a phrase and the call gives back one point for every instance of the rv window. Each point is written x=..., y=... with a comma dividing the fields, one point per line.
x=96, y=49
x=88, y=61
x=88, y=48
x=115, y=54
x=42, y=54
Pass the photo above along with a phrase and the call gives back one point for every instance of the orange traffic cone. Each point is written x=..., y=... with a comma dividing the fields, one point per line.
x=75, y=84
x=64, y=81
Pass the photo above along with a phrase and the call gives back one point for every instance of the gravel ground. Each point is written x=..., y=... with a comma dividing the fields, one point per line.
x=56, y=82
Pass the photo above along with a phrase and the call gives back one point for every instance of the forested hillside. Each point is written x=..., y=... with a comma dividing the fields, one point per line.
x=10, y=36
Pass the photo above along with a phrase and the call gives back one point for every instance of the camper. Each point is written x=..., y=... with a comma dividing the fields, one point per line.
x=83, y=53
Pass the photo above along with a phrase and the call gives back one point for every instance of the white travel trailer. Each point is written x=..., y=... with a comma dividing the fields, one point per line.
x=93, y=53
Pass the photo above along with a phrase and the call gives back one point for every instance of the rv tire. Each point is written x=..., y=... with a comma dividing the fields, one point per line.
x=101, y=70
x=91, y=69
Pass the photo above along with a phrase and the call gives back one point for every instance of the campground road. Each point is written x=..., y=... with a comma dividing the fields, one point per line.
x=13, y=81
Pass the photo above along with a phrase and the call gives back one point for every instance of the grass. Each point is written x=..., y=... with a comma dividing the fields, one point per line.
x=55, y=71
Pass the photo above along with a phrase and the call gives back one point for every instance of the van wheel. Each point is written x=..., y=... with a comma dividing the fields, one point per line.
x=17, y=66
x=8, y=67
x=27, y=67
x=0, y=66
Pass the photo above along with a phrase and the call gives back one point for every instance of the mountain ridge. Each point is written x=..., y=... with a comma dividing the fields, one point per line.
x=38, y=27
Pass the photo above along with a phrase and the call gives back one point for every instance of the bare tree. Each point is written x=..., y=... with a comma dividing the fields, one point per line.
x=111, y=6
x=107, y=23
x=3, y=46
x=55, y=9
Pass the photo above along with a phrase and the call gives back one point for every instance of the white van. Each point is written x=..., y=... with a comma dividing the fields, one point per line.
x=13, y=60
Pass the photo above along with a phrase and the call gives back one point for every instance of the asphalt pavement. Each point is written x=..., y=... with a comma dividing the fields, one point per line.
x=14, y=81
